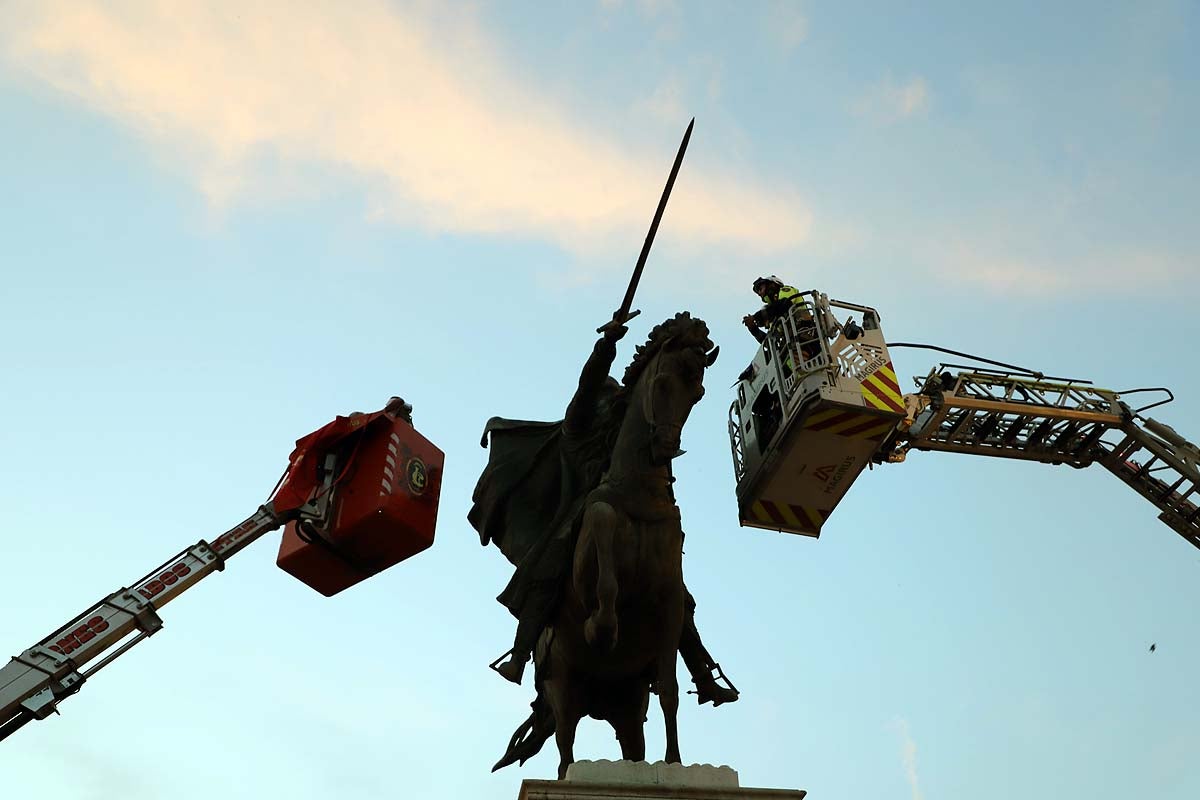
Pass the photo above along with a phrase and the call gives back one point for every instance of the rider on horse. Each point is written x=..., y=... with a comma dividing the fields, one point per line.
x=529, y=501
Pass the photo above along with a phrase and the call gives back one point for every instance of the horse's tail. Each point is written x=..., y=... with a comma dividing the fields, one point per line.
x=529, y=737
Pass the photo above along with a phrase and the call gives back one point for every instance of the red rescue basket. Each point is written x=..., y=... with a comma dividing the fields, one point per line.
x=378, y=481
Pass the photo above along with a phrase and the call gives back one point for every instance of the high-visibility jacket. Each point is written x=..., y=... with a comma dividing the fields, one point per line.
x=780, y=306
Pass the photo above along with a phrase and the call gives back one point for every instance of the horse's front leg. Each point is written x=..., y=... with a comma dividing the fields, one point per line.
x=628, y=720
x=600, y=522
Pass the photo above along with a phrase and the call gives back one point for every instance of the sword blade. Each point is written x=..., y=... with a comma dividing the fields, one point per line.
x=622, y=316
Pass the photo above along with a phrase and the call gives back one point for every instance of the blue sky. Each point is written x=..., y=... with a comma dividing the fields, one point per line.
x=225, y=227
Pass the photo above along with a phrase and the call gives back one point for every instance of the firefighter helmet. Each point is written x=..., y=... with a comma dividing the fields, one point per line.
x=761, y=283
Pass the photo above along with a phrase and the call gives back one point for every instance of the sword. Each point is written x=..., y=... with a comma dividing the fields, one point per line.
x=623, y=314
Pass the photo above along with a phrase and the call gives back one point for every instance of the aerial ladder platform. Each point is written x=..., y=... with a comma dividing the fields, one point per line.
x=359, y=495
x=820, y=403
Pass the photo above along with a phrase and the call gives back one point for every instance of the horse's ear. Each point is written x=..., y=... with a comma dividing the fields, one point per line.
x=712, y=356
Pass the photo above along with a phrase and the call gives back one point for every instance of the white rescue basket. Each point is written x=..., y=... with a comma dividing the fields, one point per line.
x=811, y=411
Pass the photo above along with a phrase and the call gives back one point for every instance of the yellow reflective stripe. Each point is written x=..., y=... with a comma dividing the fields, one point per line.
x=884, y=390
x=844, y=426
x=788, y=516
x=871, y=433
x=813, y=517
x=821, y=416
x=759, y=513
x=877, y=402
x=881, y=396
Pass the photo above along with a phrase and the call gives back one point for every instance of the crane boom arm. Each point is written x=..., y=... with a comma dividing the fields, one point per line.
x=33, y=683
x=323, y=465
x=1000, y=414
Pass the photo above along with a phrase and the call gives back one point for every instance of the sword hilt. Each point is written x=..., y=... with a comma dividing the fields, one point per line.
x=617, y=320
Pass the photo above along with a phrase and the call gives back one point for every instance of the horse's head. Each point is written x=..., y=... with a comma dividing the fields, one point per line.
x=669, y=375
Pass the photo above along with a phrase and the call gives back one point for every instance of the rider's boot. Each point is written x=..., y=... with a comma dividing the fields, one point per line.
x=514, y=668
x=700, y=662
x=709, y=691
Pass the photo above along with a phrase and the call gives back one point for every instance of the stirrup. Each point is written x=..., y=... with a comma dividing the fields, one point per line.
x=720, y=676
x=493, y=666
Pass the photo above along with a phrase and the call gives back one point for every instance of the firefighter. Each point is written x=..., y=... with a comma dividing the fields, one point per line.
x=398, y=408
x=777, y=301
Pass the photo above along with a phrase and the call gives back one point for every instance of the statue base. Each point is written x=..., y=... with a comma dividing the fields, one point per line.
x=630, y=780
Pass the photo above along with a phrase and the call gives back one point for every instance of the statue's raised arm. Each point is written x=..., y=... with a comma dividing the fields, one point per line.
x=594, y=382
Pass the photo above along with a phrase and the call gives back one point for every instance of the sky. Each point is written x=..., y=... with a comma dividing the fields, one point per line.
x=227, y=223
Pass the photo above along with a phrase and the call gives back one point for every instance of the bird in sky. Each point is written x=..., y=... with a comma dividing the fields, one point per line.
x=1152, y=646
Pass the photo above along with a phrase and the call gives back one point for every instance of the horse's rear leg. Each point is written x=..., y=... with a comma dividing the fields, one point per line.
x=600, y=522
x=567, y=705
x=564, y=736
x=667, y=687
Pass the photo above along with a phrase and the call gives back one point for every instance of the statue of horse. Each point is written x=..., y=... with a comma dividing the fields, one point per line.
x=615, y=635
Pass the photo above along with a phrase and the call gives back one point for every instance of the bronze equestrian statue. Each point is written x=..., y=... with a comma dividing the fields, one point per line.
x=584, y=508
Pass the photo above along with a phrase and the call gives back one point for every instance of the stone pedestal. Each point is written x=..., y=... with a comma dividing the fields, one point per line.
x=632, y=780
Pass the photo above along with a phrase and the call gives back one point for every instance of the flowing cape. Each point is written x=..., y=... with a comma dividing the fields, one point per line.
x=527, y=502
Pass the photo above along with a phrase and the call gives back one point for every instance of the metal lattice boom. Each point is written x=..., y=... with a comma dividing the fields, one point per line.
x=1056, y=422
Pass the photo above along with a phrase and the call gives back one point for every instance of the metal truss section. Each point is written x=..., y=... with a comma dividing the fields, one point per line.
x=1163, y=469
x=1011, y=417
x=1056, y=422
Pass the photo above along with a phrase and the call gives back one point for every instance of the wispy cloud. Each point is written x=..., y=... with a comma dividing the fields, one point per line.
x=889, y=101
x=654, y=8
x=428, y=117
x=787, y=23
x=665, y=103
x=1042, y=275
x=908, y=757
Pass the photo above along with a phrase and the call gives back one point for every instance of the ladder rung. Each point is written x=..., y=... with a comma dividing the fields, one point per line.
x=1014, y=430
x=1089, y=441
x=986, y=428
x=1068, y=432
x=1040, y=432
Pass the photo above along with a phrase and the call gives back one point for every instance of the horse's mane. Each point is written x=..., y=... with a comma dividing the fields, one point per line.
x=681, y=326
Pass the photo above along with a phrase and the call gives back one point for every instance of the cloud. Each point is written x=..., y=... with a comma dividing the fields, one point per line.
x=427, y=116
x=655, y=8
x=889, y=101
x=1099, y=271
x=666, y=103
x=908, y=757
x=787, y=23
